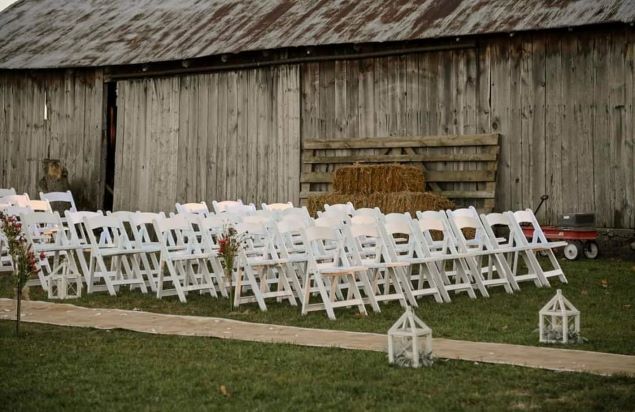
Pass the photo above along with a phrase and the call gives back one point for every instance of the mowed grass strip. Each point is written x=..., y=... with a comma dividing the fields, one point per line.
x=603, y=290
x=58, y=368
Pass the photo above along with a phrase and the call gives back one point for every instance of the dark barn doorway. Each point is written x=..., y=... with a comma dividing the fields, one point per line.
x=111, y=141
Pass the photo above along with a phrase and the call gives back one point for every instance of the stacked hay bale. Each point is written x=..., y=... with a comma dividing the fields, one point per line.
x=391, y=188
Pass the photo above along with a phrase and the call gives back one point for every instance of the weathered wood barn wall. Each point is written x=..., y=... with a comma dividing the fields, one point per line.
x=212, y=136
x=562, y=102
x=71, y=132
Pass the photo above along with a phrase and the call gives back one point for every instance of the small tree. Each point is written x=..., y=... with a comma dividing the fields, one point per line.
x=24, y=265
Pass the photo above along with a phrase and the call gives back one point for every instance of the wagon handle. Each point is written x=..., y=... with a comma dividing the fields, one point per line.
x=542, y=200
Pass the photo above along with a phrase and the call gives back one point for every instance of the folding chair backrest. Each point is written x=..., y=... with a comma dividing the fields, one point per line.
x=17, y=200
x=301, y=213
x=326, y=221
x=76, y=228
x=41, y=206
x=7, y=192
x=17, y=211
x=241, y=210
x=363, y=220
x=527, y=217
x=62, y=197
x=196, y=208
x=347, y=208
x=323, y=242
x=220, y=207
x=141, y=222
x=375, y=213
x=337, y=215
x=257, y=219
x=398, y=217
x=493, y=223
x=111, y=232
x=468, y=219
x=230, y=218
x=277, y=207
x=44, y=227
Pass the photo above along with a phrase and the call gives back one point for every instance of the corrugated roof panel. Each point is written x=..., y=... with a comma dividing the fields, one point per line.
x=52, y=33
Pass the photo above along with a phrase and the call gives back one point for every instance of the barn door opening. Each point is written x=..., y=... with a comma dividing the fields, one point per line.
x=111, y=141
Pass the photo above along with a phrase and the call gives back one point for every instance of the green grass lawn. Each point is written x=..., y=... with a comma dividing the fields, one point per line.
x=56, y=368
x=608, y=309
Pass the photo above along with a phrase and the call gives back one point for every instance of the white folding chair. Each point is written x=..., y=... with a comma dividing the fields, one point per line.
x=58, y=272
x=108, y=241
x=480, y=257
x=141, y=224
x=195, y=208
x=184, y=258
x=78, y=236
x=62, y=197
x=260, y=267
x=326, y=269
x=538, y=242
x=7, y=192
x=401, y=246
x=451, y=267
x=290, y=247
x=502, y=237
x=366, y=247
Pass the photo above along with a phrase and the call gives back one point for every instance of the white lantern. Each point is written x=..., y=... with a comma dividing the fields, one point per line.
x=559, y=320
x=64, y=282
x=410, y=341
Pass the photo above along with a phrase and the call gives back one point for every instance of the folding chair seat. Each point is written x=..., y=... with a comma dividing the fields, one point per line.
x=260, y=267
x=195, y=208
x=326, y=269
x=451, y=268
x=56, y=255
x=185, y=259
x=61, y=197
x=480, y=257
x=366, y=248
x=7, y=192
x=538, y=242
x=425, y=282
x=502, y=237
x=113, y=258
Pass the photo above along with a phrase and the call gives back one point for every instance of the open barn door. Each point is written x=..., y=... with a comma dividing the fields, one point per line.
x=111, y=141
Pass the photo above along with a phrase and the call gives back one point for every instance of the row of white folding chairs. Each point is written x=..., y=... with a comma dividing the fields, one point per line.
x=14, y=204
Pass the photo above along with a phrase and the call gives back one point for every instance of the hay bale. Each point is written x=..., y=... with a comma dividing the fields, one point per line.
x=368, y=179
x=398, y=202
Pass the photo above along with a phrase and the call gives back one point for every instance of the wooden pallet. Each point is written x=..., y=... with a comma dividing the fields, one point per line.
x=462, y=168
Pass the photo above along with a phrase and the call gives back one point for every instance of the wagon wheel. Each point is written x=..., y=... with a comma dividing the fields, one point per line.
x=573, y=250
x=591, y=249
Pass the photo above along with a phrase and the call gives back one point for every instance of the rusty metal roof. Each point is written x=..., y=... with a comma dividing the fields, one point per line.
x=72, y=33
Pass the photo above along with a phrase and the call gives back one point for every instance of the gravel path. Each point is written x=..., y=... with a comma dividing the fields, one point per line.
x=146, y=322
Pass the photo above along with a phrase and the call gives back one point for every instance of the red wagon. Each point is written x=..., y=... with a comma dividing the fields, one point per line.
x=575, y=229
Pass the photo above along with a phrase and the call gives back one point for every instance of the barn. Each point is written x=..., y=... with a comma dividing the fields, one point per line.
x=147, y=103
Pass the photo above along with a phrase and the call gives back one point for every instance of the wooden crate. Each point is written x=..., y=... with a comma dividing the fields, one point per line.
x=462, y=167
